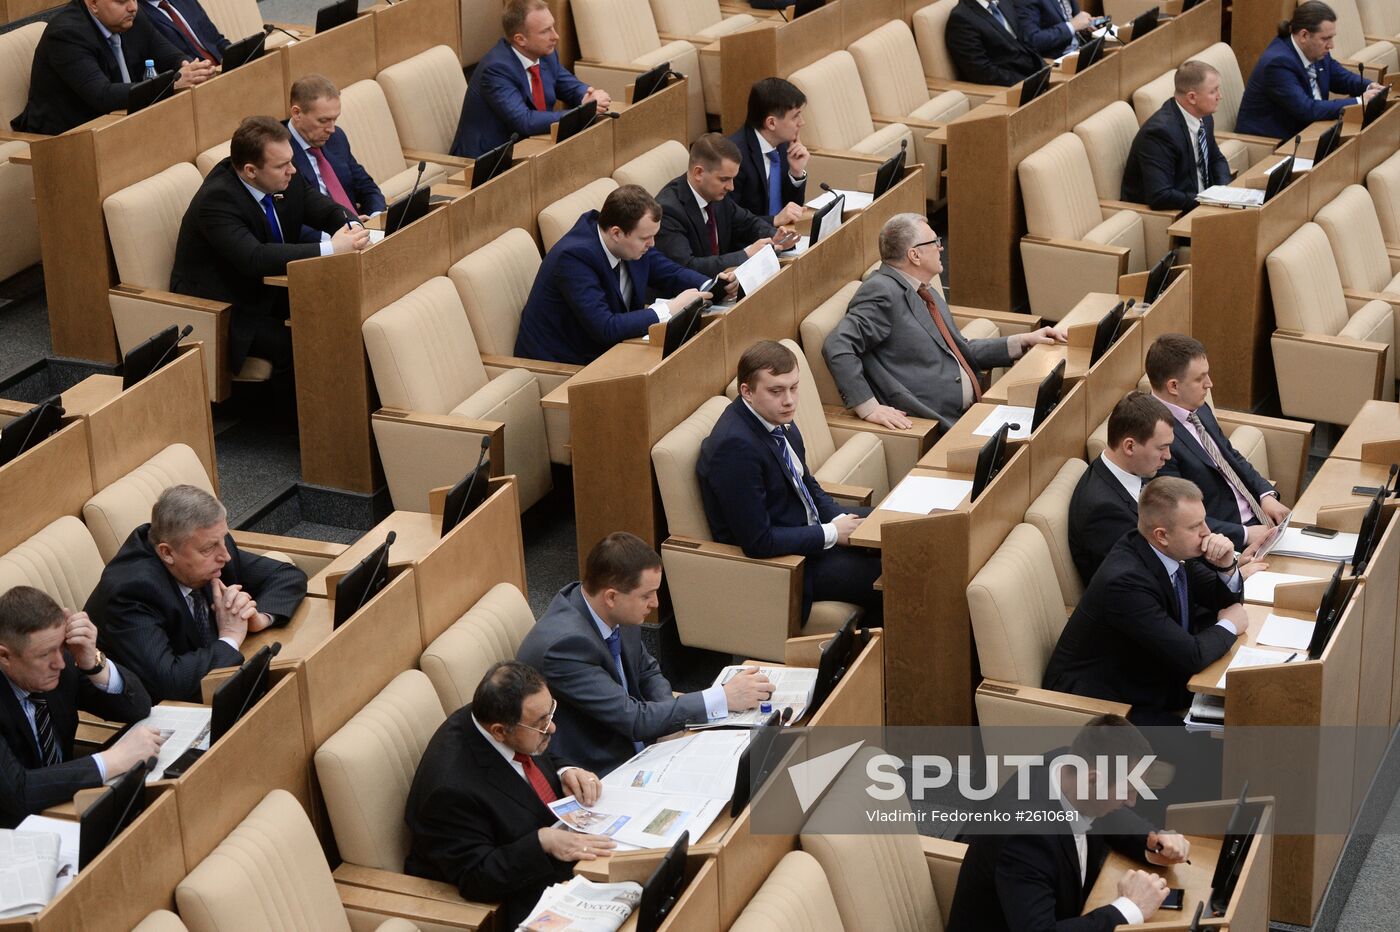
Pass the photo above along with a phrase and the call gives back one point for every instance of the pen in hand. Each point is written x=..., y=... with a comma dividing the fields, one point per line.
x=1159, y=849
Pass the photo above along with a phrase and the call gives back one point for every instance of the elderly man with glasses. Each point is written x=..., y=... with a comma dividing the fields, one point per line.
x=898, y=352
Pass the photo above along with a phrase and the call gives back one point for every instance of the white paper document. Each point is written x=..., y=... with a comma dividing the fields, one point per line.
x=29, y=866
x=757, y=270
x=1257, y=657
x=921, y=495
x=831, y=222
x=583, y=906
x=1294, y=543
x=701, y=764
x=1260, y=587
x=855, y=200
x=1299, y=165
x=1292, y=633
x=1223, y=195
x=1207, y=713
x=375, y=236
x=639, y=818
x=184, y=727
x=792, y=689
x=1007, y=414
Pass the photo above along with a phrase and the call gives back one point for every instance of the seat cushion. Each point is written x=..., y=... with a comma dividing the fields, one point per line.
x=858, y=461
x=1107, y=137
x=1306, y=285
x=673, y=458
x=725, y=27
x=1354, y=232
x=16, y=64
x=1122, y=228
x=837, y=115
x=942, y=108
x=885, y=141
x=828, y=617
x=19, y=248
x=212, y=156
x=490, y=631
x=1016, y=607
x=513, y=398
x=1375, y=321
x=796, y=897
x=1057, y=189
x=493, y=284
x=1049, y=514
x=143, y=223
x=559, y=217
x=1248, y=440
x=654, y=168
x=425, y=96
x=112, y=514
x=61, y=559
x=814, y=330
x=422, y=351
x=889, y=67
x=878, y=881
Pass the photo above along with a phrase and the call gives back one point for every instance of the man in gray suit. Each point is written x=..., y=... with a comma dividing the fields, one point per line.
x=898, y=352
x=613, y=699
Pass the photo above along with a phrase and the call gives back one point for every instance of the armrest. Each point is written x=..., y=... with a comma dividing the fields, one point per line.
x=1167, y=215
x=171, y=299
x=849, y=494
x=699, y=42
x=353, y=875
x=1266, y=142
x=1363, y=297
x=382, y=905
x=924, y=430
x=942, y=849
x=1008, y=322
x=292, y=546
x=753, y=614
x=1075, y=245
x=1369, y=70
x=731, y=552
x=976, y=94
x=1051, y=699
x=541, y=366
x=441, y=421
x=914, y=124
x=438, y=158
x=840, y=168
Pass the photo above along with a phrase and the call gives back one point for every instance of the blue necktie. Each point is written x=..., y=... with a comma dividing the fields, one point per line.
x=1182, y=600
x=1204, y=152
x=115, y=41
x=812, y=514
x=614, y=642
x=996, y=11
x=272, y=218
x=775, y=183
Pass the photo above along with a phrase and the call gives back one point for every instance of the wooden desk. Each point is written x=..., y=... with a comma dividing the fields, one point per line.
x=1181, y=227
x=1194, y=878
x=1332, y=486
x=621, y=360
x=869, y=532
x=310, y=625
x=1377, y=420
x=417, y=534
x=92, y=392
x=1205, y=681
x=1037, y=361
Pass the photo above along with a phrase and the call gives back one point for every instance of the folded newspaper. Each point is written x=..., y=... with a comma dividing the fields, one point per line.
x=29, y=865
x=792, y=693
x=1220, y=195
x=583, y=906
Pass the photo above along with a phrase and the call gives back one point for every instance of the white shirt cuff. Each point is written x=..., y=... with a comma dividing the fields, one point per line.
x=1015, y=347
x=829, y=532
x=716, y=703
x=326, y=248
x=563, y=770
x=1234, y=581
x=101, y=767
x=1228, y=626
x=662, y=309
x=797, y=179
x=229, y=642
x=114, y=679
x=1131, y=914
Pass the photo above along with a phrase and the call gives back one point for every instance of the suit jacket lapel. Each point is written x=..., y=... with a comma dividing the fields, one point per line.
x=17, y=723
x=1148, y=555
x=1107, y=477
x=766, y=440
x=1192, y=444
x=496, y=772
x=920, y=310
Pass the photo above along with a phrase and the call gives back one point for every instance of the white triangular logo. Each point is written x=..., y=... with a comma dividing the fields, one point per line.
x=811, y=778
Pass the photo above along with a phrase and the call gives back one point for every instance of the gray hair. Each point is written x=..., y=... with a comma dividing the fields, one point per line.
x=180, y=511
x=898, y=235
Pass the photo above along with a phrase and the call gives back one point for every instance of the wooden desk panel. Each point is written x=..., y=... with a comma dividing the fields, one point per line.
x=345, y=54
x=907, y=196
x=1089, y=91
x=771, y=313
x=1113, y=376
x=222, y=103
x=90, y=393
x=309, y=627
x=1039, y=360
x=620, y=361
x=487, y=212
x=1170, y=313
x=52, y=479
x=412, y=26
x=824, y=268
x=1332, y=486
x=417, y=535
x=564, y=168
x=859, y=699
x=644, y=126
x=1379, y=140
x=1377, y=420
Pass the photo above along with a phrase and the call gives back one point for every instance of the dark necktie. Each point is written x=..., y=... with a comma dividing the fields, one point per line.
x=1225, y=469
x=713, y=228
x=536, y=87
x=996, y=11
x=273, y=227
x=184, y=28
x=43, y=728
x=812, y=515
x=1183, y=601
x=199, y=609
x=624, y=285
x=775, y=183
x=950, y=342
x=1203, y=152
x=535, y=775
x=614, y=642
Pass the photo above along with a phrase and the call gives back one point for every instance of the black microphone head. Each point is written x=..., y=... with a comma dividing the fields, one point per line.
x=611, y=115
x=903, y=145
x=267, y=29
x=486, y=442
x=422, y=167
x=1014, y=426
x=189, y=329
x=514, y=138
x=826, y=187
x=391, y=538
x=1129, y=305
x=275, y=648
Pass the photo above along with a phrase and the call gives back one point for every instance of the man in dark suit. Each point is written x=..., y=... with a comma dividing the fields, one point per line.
x=591, y=289
x=321, y=152
x=1052, y=27
x=701, y=228
x=1165, y=604
x=50, y=668
x=1104, y=505
x=985, y=46
x=179, y=597
x=185, y=25
x=613, y=699
x=899, y=352
x=516, y=84
x=1292, y=83
x=478, y=814
x=772, y=178
x=1040, y=877
x=759, y=494
x=1240, y=503
x=87, y=59
x=1174, y=155
x=243, y=224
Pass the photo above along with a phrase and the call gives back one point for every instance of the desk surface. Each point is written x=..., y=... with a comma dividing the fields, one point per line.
x=623, y=359
x=91, y=393
x=1377, y=420
x=868, y=534
x=1194, y=878
x=1332, y=486
x=417, y=534
x=310, y=625
x=1204, y=682
x=1041, y=358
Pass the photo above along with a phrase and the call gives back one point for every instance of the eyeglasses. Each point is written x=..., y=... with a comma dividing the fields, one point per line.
x=936, y=242
x=548, y=719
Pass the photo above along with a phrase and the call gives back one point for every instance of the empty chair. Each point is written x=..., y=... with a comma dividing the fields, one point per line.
x=796, y=897
x=425, y=362
x=1352, y=43
x=655, y=167
x=891, y=72
x=1358, y=245
x=269, y=873
x=1330, y=357
x=20, y=246
x=367, y=121
x=1049, y=514
x=425, y=96
x=490, y=631
x=60, y=559
x=1383, y=184
x=930, y=22
x=702, y=23
x=1107, y=137
x=839, y=121
x=1074, y=246
x=239, y=18
x=559, y=217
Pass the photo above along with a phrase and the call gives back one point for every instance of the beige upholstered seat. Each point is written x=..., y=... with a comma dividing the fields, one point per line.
x=1074, y=246
x=491, y=630
x=697, y=18
x=892, y=75
x=113, y=513
x=425, y=96
x=796, y=897
x=210, y=157
x=759, y=614
x=1107, y=137
x=374, y=137
x=19, y=248
x=1330, y=358
x=60, y=559
x=1049, y=514
x=425, y=360
x=929, y=23
x=559, y=217
x=162, y=920
x=879, y=881
x=838, y=116
x=1383, y=184
x=239, y=18
x=1358, y=245
x=654, y=168
x=1352, y=44
x=1379, y=18
x=269, y=873
x=366, y=770
x=623, y=32
x=16, y=63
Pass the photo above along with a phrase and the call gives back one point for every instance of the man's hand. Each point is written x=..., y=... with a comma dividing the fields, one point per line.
x=683, y=300
x=1275, y=510
x=1237, y=616
x=886, y=416
x=1081, y=21
x=80, y=637
x=731, y=284
x=798, y=156
x=232, y=624
x=600, y=95
x=845, y=524
x=746, y=689
x=349, y=239
x=1218, y=550
x=260, y=621
x=192, y=73
x=1165, y=848
x=789, y=215
x=564, y=845
x=1253, y=566
x=1371, y=92
x=1254, y=535
x=1146, y=890
x=138, y=744
x=581, y=785
x=1043, y=335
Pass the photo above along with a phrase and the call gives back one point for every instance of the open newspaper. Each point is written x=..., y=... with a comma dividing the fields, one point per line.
x=583, y=906
x=183, y=726
x=792, y=690
x=29, y=866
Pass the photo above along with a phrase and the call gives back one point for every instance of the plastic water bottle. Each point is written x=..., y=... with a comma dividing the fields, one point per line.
x=150, y=71
x=765, y=708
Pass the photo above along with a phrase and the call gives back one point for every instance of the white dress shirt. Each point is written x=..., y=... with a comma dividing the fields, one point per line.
x=1131, y=484
x=662, y=309
x=765, y=147
x=1231, y=579
x=828, y=529
x=114, y=686
x=1080, y=826
x=509, y=754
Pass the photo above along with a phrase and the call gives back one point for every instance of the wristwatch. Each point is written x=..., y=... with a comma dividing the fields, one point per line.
x=96, y=668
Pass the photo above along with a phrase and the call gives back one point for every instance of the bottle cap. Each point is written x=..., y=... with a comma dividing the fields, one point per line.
x=765, y=708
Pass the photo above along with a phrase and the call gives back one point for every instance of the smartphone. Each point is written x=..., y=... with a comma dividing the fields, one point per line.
x=1175, y=897
x=1368, y=490
x=1098, y=21
x=1313, y=530
x=709, y=285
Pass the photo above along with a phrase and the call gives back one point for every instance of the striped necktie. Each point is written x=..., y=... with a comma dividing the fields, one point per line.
x=49, y=753
x=1203, y=153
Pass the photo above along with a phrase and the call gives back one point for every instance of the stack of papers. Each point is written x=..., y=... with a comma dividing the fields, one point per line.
x=1220, y=195
x=792, y=689
x=855, y=200
x=1260, y=587
x=1294, y=543
x=757, y=270
x=1207, y=713
x=921, y=495
x=1257, y=657
x=1292, y=633
x=584, y=906
x=30, y=863
x=1007, y=414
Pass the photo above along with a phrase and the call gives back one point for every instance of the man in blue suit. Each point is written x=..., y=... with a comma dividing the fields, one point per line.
x=515, y=85
x=1052, y=27
x=772, y=178
x=758, y=492
x=185, y=25
x=321, y=152
x=1291, y=85
x=591, y=289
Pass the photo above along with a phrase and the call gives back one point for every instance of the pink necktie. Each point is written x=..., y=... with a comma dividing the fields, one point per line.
x=333, y=189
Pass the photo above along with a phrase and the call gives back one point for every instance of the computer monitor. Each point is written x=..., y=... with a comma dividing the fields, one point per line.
x=990, y=459
x=490, y=164
x=145, y=93
x=149, y=355
x=803, y=7
x=836, y=655
x=1375, y=107
x=406, y=210
x=1328, y=142
x=663, y=887
x=1329, y=611
x=240, y=692
x=1159, y=277
x=682, y=327
x=889, y=172
x=30, y=429
x=756, y=763
x=1035, y=85
x=1145, y=23
x=1368, y=532
x=1244, y=819
x=362, y=583
x=837, y=204
x=1278, y=179
x=1048, y=394
x=464, y=497
x=1107, y=332
x=114, y=810
x=247, y=49
x=576, y=120
x=336, y=14
x=1090, y=52
x=650, y=82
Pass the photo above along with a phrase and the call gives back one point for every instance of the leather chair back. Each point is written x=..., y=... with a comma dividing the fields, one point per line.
x=814, y=329
x=422, y=351
x=490, y=631
x=810, y=418
x=61, y=559
x=493, y=284
x=366, y=770
x=1057, y=188
x=1149, y=98
x=1049, y=514
x=1351, y=38
x=16, y=64
x=162, y=920
x=836, y=114
x=1222, y=58
x=685, y=17
x=1383, y=184
x=655, y=168
x=369, y=124
x=143, y=223
x=559, y=218
x=890, y=70
x=1358, y=246
x=614, y=30
x=235, y=18
x=1107, y=136
x=795, y=898
x=112, y=514
x=1306, y=284
x=425, y=94
x=1017, y=611
x=212, y=156
x=673, y=458
x=930, y=22
x=1379, y=17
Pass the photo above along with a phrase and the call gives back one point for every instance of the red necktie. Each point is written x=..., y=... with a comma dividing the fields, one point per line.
x=535, y=775
x=950, y=342
x=714, y=230
x=328, y=178
x=536, y=87
x=179, y=22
